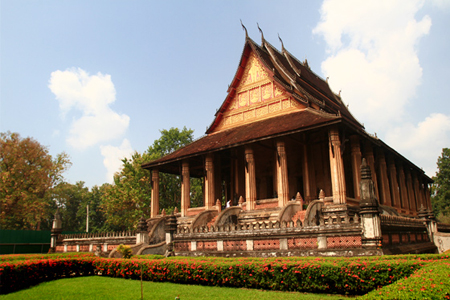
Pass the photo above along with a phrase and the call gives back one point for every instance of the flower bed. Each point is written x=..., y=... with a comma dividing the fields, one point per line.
x=13, y=257
x=353, y=276
x=20, y=274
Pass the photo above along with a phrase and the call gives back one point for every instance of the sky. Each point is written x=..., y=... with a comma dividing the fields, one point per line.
x=99, y=79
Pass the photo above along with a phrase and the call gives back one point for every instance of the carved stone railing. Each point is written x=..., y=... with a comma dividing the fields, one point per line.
x=398, y=221
x=441, y=227
x=240, y=227
x=120, y=234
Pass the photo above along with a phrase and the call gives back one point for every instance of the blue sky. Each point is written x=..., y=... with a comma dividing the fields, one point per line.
x=99, y=79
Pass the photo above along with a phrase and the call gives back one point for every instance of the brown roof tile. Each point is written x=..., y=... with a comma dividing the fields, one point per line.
x=271, y=127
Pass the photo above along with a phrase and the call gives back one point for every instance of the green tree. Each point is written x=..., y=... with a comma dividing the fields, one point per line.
x=97, y=219
x=28, y=173
x=441, y=188
x=70, y=199
x=128, y=199
x=170, y=185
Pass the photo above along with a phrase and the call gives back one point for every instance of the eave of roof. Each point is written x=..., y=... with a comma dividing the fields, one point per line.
x=260, y=130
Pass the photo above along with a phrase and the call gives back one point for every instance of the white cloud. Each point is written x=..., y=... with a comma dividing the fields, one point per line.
x=372, y=58
x=372, y=55
x=441, y=4
x=91, y=95
x=113, y=158
x=423, y=142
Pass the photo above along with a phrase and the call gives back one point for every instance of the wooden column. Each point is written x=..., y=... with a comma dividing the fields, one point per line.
x=371, y=162
x=411, y=197
x=422, y=195
x=395, y=188
x=154, y=209
x=218, y=187
x=336, y=167
x=185, y=188
x=306, y=180
x=250, y=179
x=282, y=175
x=417, y=192
x=404, y=200
x=385, y=193
x=356, y=164
x=209, y=182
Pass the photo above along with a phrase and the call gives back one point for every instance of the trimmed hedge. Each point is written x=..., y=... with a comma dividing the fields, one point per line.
x=355, y=278
x=13, y=257
x=351, y=276
x=17, y=275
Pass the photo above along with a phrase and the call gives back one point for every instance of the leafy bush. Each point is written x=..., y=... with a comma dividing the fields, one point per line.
x=15, y=257
x=385, y=277
x=149, y=256
x=22, y=274
x=125, y=251
x=430, y=282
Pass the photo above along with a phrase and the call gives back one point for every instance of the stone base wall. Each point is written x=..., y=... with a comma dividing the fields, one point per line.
x=401, y=235
x=99, y=243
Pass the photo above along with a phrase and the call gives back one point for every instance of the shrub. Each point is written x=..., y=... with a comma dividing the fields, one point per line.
x=385, y=277
x=17, y=275
x=125, y=251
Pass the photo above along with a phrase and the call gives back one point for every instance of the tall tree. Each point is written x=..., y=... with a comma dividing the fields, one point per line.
x=70, y=199
x=128, y=199
x=170, y=185
x=97, y=219
x=28, y=172
x=441, y=188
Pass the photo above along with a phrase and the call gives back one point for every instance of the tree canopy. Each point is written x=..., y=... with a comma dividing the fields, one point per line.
x=129, y=197
x=441, y=187
x=28, y=172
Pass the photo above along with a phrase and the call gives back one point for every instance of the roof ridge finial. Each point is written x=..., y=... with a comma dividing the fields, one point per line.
x=282, y=45
x=245, y=29
x=262, y=35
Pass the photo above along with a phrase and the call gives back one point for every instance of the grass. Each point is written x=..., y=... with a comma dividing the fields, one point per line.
x=95, y=287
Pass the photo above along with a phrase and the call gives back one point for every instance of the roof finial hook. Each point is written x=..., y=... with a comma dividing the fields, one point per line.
x=282, y=45
x=245, y=29
x=262, y=35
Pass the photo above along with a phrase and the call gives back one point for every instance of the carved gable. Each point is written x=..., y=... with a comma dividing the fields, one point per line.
x=257, y=97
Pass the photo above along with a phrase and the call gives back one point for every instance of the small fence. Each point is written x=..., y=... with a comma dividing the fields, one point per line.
x=24, y=241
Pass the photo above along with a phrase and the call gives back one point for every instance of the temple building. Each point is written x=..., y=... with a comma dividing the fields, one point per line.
x=282, y=131
x=299, y=173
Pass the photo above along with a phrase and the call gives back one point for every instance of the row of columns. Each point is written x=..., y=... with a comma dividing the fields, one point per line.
x=387, y=187
x=397, y=186
x=250, y=182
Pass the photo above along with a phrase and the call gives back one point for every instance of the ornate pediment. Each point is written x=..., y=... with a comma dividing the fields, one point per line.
x=257, y=97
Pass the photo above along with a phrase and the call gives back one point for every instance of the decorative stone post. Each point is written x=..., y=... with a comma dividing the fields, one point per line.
x=142, y=232
x=428, y=217
x=250, y=179
x=369, y=213
x=155, y=194
x=282, y=175
x=336, y=167
x=170, y=228
x=56, y=230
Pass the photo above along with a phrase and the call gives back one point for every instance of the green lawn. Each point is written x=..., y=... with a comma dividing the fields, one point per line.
x=96, y=287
